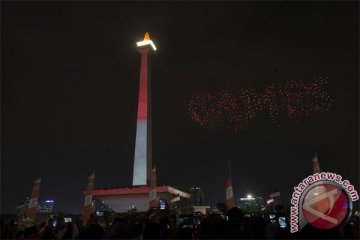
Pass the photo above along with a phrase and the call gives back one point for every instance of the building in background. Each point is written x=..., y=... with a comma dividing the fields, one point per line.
x=46, y=206
x=195, y=204
x=197, y=196
x=251, y=204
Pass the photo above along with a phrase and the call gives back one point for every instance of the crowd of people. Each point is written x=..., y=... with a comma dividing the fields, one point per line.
x=160, y=224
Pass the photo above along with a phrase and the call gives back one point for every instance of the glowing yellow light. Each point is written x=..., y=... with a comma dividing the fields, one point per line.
x=146, y=41
x=147, y=36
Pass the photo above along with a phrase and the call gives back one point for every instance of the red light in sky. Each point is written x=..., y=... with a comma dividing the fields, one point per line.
x=292, y=100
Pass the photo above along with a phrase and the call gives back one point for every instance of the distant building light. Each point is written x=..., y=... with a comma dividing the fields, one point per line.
x=247, y=199
x=49, y=201
x=99, y=214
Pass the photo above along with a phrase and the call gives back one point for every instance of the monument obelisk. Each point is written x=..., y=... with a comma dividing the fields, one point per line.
x=143, y=151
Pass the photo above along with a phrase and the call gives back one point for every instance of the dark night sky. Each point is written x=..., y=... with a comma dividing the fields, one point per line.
x=70, y=75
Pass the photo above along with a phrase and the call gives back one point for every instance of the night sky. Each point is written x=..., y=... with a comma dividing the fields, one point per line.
x=70, y=77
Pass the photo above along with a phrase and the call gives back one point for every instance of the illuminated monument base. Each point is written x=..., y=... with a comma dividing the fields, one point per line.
x=121, y=200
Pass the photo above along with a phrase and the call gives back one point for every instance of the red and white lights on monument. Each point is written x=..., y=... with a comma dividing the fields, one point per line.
x=142, y=159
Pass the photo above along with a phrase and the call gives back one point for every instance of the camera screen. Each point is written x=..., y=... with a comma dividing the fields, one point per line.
x=282, y=222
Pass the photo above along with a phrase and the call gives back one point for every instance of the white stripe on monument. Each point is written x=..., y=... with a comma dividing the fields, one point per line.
x=140, y=166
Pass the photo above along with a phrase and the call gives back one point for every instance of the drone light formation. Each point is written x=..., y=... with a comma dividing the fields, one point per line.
x=294, y=101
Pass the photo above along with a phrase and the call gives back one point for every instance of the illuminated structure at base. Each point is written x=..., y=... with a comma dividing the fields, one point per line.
x=143, y=154
x=137, y=197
